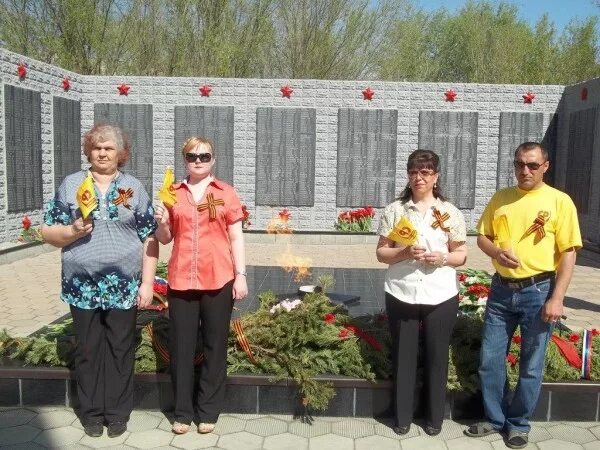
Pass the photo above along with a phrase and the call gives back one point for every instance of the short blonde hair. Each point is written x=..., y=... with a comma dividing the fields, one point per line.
x=103, y=132
x=193, y=142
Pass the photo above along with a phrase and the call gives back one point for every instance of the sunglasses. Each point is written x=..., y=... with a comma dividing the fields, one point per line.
x=424, y=173
x=519, y=165
x=193, y=157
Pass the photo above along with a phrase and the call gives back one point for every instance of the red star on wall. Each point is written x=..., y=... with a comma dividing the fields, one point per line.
x=21, y=71
x=584, y=94
x=368, y=94
x=286, y=91
x=450, y=95
x=528, y=97
x=205, y=90
x=123, y=89
x=66, y=83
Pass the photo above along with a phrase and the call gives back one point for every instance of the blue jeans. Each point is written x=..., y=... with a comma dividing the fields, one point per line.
x=507, y=308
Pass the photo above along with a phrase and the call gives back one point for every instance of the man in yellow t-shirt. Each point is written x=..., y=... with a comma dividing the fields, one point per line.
x=531, y=232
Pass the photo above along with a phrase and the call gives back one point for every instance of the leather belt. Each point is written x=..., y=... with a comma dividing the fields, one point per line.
x=521, y=283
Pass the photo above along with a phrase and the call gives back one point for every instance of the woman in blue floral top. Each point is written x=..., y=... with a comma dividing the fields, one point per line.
x=108, y=265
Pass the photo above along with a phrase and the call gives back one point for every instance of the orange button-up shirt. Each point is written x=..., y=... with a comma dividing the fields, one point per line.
x=201, y=257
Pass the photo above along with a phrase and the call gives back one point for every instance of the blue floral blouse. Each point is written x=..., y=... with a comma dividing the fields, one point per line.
x=104, y=269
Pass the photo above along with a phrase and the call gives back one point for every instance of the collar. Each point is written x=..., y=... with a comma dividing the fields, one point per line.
x=437, y=204
x=214, y=182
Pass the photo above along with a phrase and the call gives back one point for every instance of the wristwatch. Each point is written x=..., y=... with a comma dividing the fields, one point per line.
x=240, y=272
x=444, y=260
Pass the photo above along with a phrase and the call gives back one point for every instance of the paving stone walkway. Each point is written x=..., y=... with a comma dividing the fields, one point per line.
x=59, y=428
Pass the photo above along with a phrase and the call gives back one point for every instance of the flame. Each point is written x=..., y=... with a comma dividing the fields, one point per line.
x=278, y=226
x=295, y=264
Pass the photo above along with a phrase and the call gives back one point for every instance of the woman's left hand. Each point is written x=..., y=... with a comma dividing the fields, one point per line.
x=433, y=258
x=145, y=294
x=240, y=287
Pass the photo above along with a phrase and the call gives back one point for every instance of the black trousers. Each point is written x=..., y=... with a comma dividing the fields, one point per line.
x=104, y=360
x=208, y=313
x=405, y=322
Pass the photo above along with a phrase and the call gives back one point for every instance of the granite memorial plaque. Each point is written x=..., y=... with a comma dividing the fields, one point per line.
x=515, y=128
x=285, y=156
x=136, y=121
x=23, y=138
x=453, y=136
x=216, y=123
x=366, y=157
x=67, y=138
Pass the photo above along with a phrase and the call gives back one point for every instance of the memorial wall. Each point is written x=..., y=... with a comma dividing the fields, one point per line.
x=321, y=150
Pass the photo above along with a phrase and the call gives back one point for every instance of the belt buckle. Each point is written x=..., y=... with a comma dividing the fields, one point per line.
x=514, y=284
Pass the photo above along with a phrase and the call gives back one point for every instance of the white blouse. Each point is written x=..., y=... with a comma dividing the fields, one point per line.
x=418, y=282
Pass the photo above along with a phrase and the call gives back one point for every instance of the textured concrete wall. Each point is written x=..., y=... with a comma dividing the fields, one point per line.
x=326, y=98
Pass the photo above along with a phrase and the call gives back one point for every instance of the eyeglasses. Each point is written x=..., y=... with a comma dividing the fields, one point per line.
x=533, y=166
x=424, y=173
x=193, y=157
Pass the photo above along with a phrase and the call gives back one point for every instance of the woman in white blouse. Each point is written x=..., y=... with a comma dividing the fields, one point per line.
x=421, y=288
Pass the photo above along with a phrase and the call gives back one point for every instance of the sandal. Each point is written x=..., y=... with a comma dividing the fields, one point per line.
x=180, y=428
x=480, y=429
x=205, y=428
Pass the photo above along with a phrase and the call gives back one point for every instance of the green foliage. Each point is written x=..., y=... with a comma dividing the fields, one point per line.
x=483, y=42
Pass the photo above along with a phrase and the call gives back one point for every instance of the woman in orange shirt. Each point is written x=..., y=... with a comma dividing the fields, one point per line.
x=207, y=273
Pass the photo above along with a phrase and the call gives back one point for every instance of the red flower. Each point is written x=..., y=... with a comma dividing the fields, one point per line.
x=480, y=290
x=343, y=334
x=66, y=83
x=329, y=318
x=26, y=222
x=245, y=212
x=462, y=277
x=595, y=332
x=284, y=215
x=574, y=338
x=512, y=359
x=516, y=339
x=382, y=317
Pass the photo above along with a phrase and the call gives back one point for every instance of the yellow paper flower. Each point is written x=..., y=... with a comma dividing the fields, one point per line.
x=86, y=196
x=167, y=191
x=502, y=232
x=404, y=232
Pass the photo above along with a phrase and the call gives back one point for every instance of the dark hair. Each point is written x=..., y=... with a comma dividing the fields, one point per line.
x=527, y=146
x=422, y=159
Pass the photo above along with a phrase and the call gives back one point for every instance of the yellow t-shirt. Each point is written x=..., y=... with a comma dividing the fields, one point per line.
x=536, y=254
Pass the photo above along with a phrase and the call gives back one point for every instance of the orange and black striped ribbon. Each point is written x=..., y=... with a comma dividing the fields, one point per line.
x=123, y=198
x=242, y=340
x=440, y=219
x=211, y=204
x=537, y=227
x=164, y=352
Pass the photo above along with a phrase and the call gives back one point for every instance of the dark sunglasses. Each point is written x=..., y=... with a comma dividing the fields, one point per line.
x=519, y=165
x=193, y=157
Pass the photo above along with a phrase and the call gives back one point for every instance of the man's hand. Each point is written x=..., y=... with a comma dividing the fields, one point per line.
x=552, y=310
x=506, y=258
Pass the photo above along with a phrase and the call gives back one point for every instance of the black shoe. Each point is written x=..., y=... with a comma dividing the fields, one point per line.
x=401, y=430
x=116, y=429
x=93, y=429
x=431, y=430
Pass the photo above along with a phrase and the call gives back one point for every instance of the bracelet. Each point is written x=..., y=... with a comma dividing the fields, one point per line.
x=241, y=272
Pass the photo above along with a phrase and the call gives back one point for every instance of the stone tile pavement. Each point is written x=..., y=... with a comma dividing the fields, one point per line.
x=29, y=287
x=59, y=428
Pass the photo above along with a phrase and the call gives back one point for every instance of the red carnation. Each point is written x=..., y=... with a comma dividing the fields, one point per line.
x=160, y=288
x=329, y=318
x=26, y=222
x=343, y=334
x=512, y=359
x=462, y=277
x=574, y=338
x=516, y=339
x=595, y=332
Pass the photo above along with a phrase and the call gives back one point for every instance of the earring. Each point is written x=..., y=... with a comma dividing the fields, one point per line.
x=434, y=185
